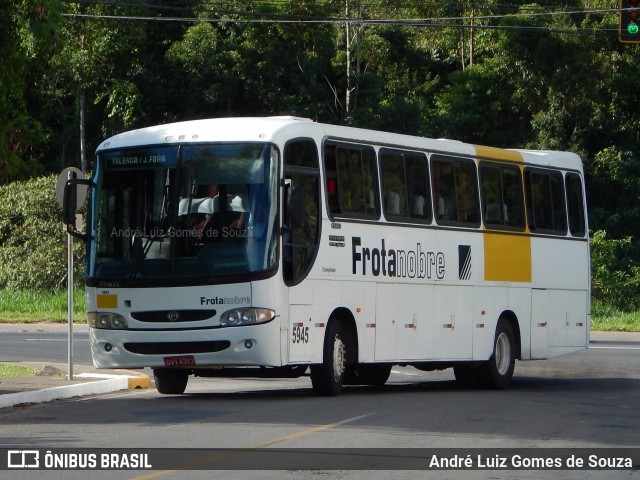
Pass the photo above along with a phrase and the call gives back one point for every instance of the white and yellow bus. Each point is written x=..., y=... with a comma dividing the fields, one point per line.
x=219, y=245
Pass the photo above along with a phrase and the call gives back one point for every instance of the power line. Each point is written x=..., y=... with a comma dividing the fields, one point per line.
x=553, y=11
x=418, y=23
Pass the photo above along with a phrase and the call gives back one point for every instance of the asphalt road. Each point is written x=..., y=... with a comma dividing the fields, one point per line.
x=589, y=399
x=44, y=346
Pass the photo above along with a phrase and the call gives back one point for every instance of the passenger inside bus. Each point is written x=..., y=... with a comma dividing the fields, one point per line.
x=207, y=218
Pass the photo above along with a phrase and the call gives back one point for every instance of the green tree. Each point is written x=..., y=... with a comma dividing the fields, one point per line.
x=88, y=73
x=206, y=69
x=228, y=68
x=396, y=83
x=21, y=25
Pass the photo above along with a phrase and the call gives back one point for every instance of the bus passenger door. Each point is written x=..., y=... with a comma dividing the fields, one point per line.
x=301, y=216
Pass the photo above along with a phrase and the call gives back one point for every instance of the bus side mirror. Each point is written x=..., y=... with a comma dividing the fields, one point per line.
x=70, y=203
x=74, y=192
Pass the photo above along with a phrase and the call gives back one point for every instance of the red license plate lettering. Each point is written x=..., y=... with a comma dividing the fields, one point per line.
x=181, y=361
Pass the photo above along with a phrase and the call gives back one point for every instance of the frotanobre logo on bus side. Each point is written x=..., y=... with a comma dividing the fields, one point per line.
x=391, y=262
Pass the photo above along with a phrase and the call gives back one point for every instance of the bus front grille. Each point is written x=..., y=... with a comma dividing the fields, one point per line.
x=173, y=316
x=176, y=348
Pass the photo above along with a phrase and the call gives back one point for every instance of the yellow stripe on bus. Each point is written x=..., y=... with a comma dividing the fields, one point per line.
x=498, y=153
x=507, y=257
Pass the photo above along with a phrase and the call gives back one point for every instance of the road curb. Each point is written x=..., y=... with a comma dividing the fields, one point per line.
x=66, y=391
x=135, y=380
x=97, y=384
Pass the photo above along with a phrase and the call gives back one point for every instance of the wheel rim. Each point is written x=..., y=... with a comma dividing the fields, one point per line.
x=338, y=357
x=503, y=353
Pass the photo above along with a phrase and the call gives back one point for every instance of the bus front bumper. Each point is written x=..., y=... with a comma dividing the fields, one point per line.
x=256, y=345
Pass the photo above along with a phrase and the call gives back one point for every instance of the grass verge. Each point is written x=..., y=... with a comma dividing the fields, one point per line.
x=25, y=306
x=9, y=370
x=605, y=318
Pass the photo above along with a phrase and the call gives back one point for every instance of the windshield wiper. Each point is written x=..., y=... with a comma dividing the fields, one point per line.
x=143, y=251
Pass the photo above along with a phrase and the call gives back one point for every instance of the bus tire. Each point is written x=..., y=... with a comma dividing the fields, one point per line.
x=372, y=374
x=327, y=378
x=497, y=371
x=170, y=381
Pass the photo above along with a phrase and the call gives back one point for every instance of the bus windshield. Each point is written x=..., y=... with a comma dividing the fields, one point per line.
x=188, y=214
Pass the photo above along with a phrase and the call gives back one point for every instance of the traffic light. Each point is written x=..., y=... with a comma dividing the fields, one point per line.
x=629, y=24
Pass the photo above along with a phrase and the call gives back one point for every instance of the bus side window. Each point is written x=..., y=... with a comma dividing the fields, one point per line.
x=405, y=186
x=501, y=191
x=546, y=209
x=394, y=184
x=331, y=179
x=455, y=191
x=351, y=180
x=467, y=192
x=577, y=224
x=443, y=190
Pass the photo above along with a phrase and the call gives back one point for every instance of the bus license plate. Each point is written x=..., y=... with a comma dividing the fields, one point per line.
x=181, y=361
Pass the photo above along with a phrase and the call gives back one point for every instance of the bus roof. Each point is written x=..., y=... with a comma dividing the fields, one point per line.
x=279, y=129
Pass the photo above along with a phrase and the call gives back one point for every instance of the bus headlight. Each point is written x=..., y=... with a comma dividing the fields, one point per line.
x=232, y=318
x=246, y=316
x=106, y=320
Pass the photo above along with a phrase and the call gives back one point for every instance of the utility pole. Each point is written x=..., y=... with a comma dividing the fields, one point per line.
x=359, y=28
x=473, y=16
x=83, y=155
x=350, y=80
x=347, y=99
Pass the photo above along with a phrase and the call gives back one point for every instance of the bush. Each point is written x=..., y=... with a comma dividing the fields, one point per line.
x=33, y=243
x=615, y=278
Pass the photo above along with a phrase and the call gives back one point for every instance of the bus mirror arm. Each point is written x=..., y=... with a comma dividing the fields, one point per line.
x=70, y=205
x=74, y=233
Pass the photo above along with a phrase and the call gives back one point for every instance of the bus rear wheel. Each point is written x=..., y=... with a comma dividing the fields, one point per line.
x=498, y=370
x=170, y=381
x=327, y=378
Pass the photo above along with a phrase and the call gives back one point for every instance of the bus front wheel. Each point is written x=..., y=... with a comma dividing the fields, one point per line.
x=170, y=381
x=327, y=377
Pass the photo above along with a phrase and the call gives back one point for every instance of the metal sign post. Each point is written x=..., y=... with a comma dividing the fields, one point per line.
x=70, y=303
x=66, y=175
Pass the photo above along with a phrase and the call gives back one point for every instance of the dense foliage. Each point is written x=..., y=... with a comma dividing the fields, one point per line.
x=544, y=75
x=33, y=244
x=614, y=279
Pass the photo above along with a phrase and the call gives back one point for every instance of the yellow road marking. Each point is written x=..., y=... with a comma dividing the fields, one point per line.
x=222, y=456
